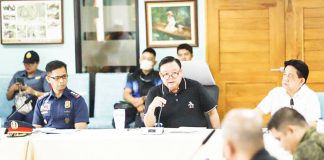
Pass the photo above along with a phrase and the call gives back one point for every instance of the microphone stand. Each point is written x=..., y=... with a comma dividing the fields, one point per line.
x=25, y=103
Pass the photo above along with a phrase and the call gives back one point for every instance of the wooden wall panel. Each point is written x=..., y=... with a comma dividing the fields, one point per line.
x=313, y=20
x=239, y=95
x=244, y=41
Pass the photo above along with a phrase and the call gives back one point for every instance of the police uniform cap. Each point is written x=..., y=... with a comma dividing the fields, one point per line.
x=31, y=57
x=16, y=128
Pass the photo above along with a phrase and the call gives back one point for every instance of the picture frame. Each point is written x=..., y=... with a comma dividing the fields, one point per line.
x=32, y=22
x=171, y=22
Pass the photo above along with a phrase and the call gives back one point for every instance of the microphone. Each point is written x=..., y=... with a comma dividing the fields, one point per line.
x=158, y=124
x=25, y=103
x=292, y=103
x=158, y=127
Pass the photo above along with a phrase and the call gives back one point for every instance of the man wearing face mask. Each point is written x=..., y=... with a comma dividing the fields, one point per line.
x=138, y=85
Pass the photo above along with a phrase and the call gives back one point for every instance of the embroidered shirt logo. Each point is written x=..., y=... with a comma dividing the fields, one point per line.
x=191, y=105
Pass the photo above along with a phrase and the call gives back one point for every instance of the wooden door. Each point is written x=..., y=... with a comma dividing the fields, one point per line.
x=245, y=40
x=305, y=37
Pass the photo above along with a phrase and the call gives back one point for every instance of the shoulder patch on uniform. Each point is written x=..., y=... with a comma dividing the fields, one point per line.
x=74, y=94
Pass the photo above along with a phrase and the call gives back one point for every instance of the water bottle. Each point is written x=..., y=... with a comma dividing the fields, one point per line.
x=320, y=125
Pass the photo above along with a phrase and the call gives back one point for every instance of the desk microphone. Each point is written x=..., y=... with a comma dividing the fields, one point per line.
x=25, y=103
x=292, y=103
x=158, y=127
x=158, y=124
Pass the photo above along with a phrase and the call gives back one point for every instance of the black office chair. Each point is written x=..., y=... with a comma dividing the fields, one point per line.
x=199, y=71
x=213, y=92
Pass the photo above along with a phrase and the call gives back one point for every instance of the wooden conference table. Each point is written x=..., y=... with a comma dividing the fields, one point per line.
x=177, y=144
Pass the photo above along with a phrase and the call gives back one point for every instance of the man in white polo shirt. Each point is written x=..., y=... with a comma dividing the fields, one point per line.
x=294, y=93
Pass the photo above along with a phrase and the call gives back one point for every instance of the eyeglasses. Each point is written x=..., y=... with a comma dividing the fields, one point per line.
x=168, y=75
x=57, y=78
x=290, y=75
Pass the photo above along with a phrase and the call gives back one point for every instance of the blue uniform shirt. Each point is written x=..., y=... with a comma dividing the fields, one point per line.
x=62, y=112
x=38, y=82
x=140, y=84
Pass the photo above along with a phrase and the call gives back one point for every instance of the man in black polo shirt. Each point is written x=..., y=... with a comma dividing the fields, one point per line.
x=178, y=101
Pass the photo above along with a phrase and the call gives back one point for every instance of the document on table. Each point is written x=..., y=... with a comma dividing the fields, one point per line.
x=188, y=129
x=54, y=131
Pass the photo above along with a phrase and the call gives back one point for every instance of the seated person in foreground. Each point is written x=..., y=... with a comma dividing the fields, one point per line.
x=137, y=86
x=296, y=135
x=61, y=108
x=243, y=136
x=294, y=93
x=178, y=101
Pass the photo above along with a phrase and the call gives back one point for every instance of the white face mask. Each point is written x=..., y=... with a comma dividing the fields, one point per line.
x=146, y=65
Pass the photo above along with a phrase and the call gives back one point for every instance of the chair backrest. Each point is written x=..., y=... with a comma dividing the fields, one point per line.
x=5, y=105
x=80, y=84
x=213, y=91
x=109, y=90
x=199, y=71
x=321, y=99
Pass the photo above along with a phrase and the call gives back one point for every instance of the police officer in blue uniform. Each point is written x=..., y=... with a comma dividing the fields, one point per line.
x=61, y=107
x=31, y=82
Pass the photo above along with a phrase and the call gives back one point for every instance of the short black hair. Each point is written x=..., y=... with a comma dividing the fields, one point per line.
x=302, y=68
x=286, y=116
x=169, y=59
x=54, y=65
x=151, y=50
x=186, y=47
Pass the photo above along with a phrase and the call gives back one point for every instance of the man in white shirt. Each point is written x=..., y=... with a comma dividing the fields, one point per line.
x=294, y=93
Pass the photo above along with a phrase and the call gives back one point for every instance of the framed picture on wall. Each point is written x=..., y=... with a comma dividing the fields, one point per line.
x=170, y=23
x=31, y=22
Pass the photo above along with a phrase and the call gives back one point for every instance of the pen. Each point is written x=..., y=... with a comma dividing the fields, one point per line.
x=209, y=135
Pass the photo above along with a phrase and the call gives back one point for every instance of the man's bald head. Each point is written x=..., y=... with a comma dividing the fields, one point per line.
x=243, y=127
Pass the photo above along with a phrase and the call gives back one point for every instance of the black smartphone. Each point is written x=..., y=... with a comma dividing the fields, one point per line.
x=20, y=80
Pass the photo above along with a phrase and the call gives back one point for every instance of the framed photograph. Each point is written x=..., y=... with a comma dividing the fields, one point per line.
x=170, y=23
x=31, y=21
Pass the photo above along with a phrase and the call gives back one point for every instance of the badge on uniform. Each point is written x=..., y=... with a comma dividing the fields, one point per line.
x=28, y=55
x=45, y=108
x=38, y=77
x=67, y=104
x=66, y=120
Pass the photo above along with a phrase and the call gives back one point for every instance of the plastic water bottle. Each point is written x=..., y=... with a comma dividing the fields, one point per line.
x=320, y=125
